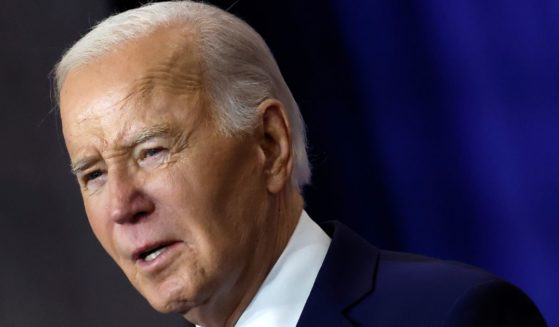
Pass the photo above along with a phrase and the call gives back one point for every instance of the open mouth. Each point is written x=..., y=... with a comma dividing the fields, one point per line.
x=152, y=254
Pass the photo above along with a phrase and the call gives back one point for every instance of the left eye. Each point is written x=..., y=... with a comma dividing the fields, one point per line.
x=152, y=152
x=152, y=157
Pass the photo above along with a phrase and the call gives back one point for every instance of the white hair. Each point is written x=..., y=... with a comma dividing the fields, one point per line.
x=240, y=70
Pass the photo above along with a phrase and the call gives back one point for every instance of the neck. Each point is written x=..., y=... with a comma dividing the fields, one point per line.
x=277, y=226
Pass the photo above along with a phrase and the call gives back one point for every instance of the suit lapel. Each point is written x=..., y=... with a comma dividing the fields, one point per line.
x=346, y=276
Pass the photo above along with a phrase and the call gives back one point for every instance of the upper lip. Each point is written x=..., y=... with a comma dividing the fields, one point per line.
x=138, y=253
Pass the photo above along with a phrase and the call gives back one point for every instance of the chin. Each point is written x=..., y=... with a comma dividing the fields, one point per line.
x=170, y=298
x=164, y=304
x=180, y=307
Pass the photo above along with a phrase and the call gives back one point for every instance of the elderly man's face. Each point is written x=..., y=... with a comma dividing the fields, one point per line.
x=177, y=205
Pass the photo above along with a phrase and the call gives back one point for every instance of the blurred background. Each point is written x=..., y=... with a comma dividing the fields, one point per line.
x=433, y=128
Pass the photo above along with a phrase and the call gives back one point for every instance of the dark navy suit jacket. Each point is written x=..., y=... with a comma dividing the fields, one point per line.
x=360, y=285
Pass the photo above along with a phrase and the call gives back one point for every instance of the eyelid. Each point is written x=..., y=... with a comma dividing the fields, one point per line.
x=92, y=185
x=85, y=176
x=144, y=152
x=153, y=143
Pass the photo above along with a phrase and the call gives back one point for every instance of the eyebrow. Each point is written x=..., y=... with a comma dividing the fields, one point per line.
x=140, y=137
x=81, y=165
x=149, y=133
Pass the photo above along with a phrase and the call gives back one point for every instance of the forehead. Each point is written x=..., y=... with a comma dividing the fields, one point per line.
x=161, y=65
x=167, y=57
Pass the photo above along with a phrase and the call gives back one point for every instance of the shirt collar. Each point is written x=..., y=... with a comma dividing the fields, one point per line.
x=284, y=292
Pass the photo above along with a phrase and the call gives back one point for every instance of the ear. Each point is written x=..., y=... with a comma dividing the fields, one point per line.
x=275, y=144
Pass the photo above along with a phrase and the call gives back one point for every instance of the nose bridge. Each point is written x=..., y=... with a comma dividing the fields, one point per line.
x=125, y=194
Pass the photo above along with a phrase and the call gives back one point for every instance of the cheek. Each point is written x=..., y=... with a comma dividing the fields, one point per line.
x=196, y=201
x=181, y=191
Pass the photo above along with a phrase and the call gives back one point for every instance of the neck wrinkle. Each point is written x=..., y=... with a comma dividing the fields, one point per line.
x=285, y=214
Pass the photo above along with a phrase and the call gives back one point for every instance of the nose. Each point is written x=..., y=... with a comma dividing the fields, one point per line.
x=128, y=202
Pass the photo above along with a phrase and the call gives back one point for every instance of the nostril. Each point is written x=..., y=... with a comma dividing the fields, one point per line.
x=139, y=215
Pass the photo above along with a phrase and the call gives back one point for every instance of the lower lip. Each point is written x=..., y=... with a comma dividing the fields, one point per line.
x=162, y=261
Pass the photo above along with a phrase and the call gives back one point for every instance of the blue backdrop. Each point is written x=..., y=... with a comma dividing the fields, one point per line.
x=460, y=104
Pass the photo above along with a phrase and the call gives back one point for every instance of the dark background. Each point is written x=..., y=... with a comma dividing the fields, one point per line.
x=433, y=125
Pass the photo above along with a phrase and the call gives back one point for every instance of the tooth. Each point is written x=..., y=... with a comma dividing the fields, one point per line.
x=154, y=255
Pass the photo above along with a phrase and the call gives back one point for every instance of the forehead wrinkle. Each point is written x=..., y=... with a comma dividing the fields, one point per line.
x=165, y=76
x=176, y=69
x=178, y=73
x=95, y=113
x=143, y=89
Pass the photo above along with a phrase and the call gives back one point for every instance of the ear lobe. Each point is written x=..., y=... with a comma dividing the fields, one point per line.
x=275, y=144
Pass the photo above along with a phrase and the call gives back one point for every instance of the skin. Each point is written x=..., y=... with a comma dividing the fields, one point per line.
x=154, y=169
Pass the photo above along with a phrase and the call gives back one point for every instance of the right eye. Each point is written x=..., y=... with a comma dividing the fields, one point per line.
x=92, y=175
x=92, y=180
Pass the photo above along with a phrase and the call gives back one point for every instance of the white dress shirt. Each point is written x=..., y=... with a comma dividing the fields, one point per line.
x=280, y=300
